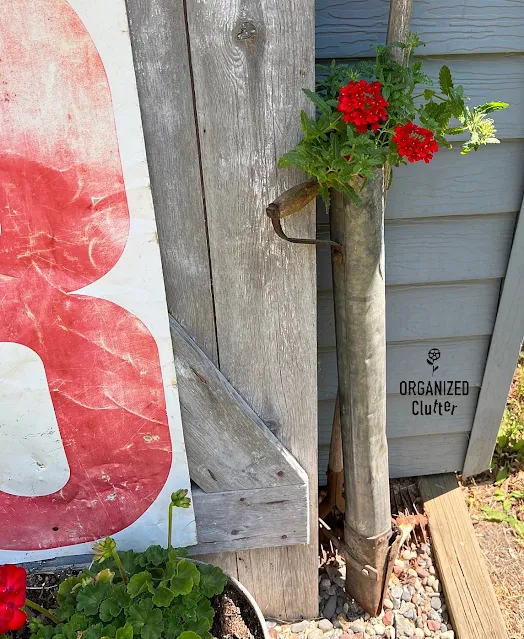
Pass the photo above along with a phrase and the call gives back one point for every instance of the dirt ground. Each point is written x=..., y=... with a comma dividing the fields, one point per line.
x=502, y=548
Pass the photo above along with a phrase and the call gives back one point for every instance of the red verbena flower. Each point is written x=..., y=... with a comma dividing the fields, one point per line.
x=363, y=105
x=415, y=143
x=13, y=581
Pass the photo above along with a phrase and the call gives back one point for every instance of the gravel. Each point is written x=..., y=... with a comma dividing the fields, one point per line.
x=414, y=606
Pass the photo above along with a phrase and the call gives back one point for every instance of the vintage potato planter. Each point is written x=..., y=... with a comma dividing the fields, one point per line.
x=250, y=612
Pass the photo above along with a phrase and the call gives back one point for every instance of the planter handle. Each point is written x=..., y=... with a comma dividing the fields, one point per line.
x=292, y=201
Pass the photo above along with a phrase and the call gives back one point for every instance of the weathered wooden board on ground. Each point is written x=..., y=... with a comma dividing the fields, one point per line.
x=248, y=100
x=471, y=600
x=486, y=26
x=502, y=358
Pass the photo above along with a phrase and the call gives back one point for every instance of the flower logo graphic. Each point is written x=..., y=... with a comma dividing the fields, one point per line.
x=433, y=356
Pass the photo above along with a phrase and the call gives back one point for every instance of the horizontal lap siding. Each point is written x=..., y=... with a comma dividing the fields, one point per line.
x=449, y=225
x=348, y=28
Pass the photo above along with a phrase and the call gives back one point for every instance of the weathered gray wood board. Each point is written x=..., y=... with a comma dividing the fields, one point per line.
x=256, y=322
x=348, y=29
x=462, y=359
x=241, y=519
x=502, y=358
x=228, y=446
x=433, y=311
x=439, y=249
x=470, y=597
x=248, y=99
x=159, y=42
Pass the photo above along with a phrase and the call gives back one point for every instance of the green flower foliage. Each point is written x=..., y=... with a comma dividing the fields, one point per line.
x=164, y=596
x=331, y=150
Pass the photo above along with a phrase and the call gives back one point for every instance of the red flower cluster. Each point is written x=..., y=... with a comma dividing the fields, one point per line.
x=363, y=105
x=415, y=143
x=13, y=581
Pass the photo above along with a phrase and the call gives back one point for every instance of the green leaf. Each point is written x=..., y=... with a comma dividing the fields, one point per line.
x=154, y=626
x=318, y=101
x=189, y=634
x=212, y=580
x=154, y=555
x=455, y=130
x=94, y=632
x=65, y=612
x=125, y=633
x=490, y=107
x=119, y=594
x=445, y=80
x=66, y=587
x=163, y=596
x=141, y=614
x=90, y=597
x=304, y=121
x=186, y=574
x=502, y=475
x=109, y=631
x=428, y=94
x=109, y=609
x=139, y=583
x=490, y=514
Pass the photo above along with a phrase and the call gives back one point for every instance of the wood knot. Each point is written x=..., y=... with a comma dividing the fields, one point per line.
x=246, y=31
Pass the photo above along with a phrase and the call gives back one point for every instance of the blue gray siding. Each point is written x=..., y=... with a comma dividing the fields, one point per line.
x=449, y=225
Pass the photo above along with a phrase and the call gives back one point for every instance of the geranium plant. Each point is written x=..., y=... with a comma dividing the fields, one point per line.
x=149, y=595
x=383, y=113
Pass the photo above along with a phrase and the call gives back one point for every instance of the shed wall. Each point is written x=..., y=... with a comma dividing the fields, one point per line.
x=449, y=225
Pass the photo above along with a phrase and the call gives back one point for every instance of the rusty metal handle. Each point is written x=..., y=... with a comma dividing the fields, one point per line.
x=292, y=201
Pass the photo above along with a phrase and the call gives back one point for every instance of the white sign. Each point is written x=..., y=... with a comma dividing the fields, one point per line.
x=90, y=432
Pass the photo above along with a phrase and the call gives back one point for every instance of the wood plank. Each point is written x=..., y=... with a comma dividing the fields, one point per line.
x=228, y=446
x=426, y=312
x=412, y=456
x=502, y=359
x=259, y=518
x=439, y=250
x=402, y=423
x=158, y=37
x=348, y=29
x=461, y=359
x=470, y=597
x=248, y=98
